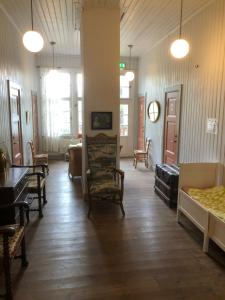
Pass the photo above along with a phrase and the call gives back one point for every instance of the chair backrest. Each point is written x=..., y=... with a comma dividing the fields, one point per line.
x=147, y=144
x=101, y=154
x=5, y=150
x=32, y=149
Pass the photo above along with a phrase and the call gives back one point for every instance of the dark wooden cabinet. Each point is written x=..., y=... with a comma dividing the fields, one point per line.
x=13, y=187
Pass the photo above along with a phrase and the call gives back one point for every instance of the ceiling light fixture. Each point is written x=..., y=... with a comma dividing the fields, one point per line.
x=130, y=74
x=180, y=47
x=33, y=40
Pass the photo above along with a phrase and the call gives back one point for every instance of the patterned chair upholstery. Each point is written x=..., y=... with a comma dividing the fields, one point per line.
x=104, y=180
x=12, y=237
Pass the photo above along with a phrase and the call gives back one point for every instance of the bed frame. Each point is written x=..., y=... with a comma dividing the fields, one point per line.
x=201, y=175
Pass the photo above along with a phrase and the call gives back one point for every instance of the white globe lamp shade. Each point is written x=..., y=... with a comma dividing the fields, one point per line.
x=179, y=48
x=33, y=41
x=130, y=75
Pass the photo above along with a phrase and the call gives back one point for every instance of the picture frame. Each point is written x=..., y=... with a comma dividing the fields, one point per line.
x=101, y=120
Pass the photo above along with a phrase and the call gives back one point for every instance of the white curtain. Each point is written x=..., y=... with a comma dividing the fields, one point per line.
x=50, y=91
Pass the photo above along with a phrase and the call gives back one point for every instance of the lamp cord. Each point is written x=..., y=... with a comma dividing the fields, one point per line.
x=53, y=57
x=130, y=59
x=32, y=20
x=181, y=15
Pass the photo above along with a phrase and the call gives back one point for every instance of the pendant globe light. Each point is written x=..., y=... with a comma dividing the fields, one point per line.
x=32, y=40
x=130, y=74
x=180, y=47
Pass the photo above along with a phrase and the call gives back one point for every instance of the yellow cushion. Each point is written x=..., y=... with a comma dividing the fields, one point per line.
x=212, y=199
x=14, y=240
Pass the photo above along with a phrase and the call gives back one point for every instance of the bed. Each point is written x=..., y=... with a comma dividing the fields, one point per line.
x=208, y=220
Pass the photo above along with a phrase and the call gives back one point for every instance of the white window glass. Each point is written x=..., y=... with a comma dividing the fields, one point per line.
x=79, y=85
x=79, y=117
x=123, y=119
x=65, y=116
x=124, y=87
x=58, y=84
x=58, y=94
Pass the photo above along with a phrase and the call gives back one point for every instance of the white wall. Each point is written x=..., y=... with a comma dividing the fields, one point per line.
x=18, y=65
x=202, y=76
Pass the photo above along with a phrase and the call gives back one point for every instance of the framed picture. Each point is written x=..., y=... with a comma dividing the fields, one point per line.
x=101, y=120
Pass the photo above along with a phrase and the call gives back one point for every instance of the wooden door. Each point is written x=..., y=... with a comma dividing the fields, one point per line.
x=35, y=120
x=141, y=122
x=171, y=126
x=15, y=123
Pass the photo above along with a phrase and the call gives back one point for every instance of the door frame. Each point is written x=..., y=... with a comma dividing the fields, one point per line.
x=34, y=94
x=179, y=89
x=144, y=118
x=11, y=84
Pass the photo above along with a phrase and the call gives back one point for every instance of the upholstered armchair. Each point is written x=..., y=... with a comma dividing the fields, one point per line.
x=75, y=161
x=104, y=180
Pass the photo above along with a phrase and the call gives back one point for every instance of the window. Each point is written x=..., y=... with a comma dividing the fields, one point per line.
x=65, y=115
x=79, y=102
x=79, y=85
x=58, y=94
x=124, y=87
x=123, y=119
x=80, y=124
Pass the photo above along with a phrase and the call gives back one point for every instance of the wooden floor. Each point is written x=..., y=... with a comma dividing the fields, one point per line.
x=146, y=255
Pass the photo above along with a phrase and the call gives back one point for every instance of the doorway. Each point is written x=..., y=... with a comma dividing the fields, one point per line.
x=35, y=120
x=15, y=123
x=141, y=123
x=171, y=125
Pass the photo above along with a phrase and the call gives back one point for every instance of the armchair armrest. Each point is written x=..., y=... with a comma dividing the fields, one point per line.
x=120, y=172
x=7, y=230
x=42, y=166
x=39, y=174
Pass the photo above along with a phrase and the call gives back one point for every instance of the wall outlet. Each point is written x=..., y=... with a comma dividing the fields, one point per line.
x=212, y=126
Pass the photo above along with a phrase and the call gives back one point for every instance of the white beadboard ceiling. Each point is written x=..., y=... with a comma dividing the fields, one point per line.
x=143, y=22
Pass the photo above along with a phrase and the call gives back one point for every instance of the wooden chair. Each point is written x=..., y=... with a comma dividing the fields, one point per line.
x=38, y=159
x=36, y=184
x=104, y=180
x=12, y=237
x=142, y=155
x=36, y=188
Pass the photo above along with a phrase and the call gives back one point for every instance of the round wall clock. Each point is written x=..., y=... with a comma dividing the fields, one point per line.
x=153, y=111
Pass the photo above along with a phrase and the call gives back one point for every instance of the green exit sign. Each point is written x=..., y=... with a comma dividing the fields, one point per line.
x=122, y=66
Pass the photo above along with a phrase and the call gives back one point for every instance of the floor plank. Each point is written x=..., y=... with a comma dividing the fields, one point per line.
x=146, y=255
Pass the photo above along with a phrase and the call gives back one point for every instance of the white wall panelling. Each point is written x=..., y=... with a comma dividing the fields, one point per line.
x=202, y=76
x=18, y=65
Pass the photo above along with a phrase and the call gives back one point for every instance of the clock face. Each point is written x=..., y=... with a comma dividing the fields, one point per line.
x=153, y=111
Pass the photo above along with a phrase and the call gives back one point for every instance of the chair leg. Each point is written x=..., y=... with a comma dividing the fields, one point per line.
x=122, y=209
x=24, y=262
x=135, y=161
x=28, y=214
x=89, y=209
x=40, y=204
x=7, y=273
x=44, y=196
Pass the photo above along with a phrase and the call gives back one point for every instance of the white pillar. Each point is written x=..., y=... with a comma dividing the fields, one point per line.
x=100, y=55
